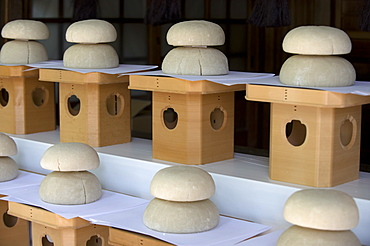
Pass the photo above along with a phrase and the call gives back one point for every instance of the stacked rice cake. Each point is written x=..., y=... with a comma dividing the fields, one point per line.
x=317, y=62
x=181, y=203
x=70, y=183
x=194, y=57
x=24, y=49
x=8, y=167
x=92, y=49
x=320, y=217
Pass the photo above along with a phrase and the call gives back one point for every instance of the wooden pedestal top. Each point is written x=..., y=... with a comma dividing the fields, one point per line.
x=67, y=76
x=303, y=96
x=42, y=216
x=180, y=86
x=17, y=71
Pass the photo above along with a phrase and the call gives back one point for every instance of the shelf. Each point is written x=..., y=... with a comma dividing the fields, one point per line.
x=243, y=188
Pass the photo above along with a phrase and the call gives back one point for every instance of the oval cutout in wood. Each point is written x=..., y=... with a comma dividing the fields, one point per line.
x=295, y=132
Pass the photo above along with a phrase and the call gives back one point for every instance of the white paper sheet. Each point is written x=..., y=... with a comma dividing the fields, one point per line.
x=24, y=179
x=121, y=69
x=233, y=77
x=126, y=212
x=228, y=232
x=361, y=88
x=269, y=239
x=109, y=202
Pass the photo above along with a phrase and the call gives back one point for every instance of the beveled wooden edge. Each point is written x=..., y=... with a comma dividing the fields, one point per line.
x=17, y=71
x=44, y=217
x=180, y=86
x=115, y=234
x=303, y=96
x=66, y=76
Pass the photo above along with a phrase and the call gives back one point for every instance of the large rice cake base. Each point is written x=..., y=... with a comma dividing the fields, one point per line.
x=23, y=52
x=181, y=217
x=195, y=61
x=70, y=188
x=317, y=71
x=97, y=56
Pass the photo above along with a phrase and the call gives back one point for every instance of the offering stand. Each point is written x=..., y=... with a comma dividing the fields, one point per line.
x=193, y=121
x=94, y=107
x=314, y=134
x=118, y=237
x=13, y=230
x=47, y=227
x=26, y=104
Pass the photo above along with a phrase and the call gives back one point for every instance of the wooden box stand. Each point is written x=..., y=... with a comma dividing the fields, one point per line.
x=314, y=134
x=94, y=107
x=118, y=237
x=13, y=230
x=51, y=229
x=26, y=104
x=193, y=121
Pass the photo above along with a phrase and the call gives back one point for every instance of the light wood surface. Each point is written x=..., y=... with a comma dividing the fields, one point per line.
x=62, y=231
x=18, y=71
x=204, y=131
x=193, y=140
x=301, y=96
x=67, y=76
x=322, y=160
x=102, y=116
x=93, y=124
x=180, y=86
x=30, y=105
x=13, y=230
x=314, y=134
x=118, y=237
x=44, y=217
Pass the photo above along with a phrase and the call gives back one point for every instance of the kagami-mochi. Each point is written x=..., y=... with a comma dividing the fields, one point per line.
x=70, y=182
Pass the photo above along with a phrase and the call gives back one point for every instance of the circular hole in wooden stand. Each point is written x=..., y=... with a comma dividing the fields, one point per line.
x=217, y=118
x=170, y=118
x=74, y=105
x=115, y=104
x=94, y=241
x=348, y=132
x=39, y=96
x=9, y=220
x=47, y=241
x=4, y=97
x=295, y=132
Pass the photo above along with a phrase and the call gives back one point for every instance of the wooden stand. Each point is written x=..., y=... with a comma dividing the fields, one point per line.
x=314, y=134
x=47, y=227
x=94, y=107
x=193, y=121
x=118, y=237
x=26, y=104
x=13, y=230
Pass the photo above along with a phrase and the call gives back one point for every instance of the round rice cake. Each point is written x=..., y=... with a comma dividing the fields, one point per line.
x=195, y=61
x=296, y=235
x=195, y=33
x=182, y=183
x=70, y=188
x=98, y=56
x=181, y=217
x=91, y=31
x=68, y=157
x=317, y=40
x=8, y=169
x=323, y=209
x=25, y=30
x=317, y=71
x=23, y=52
x=8, y=146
